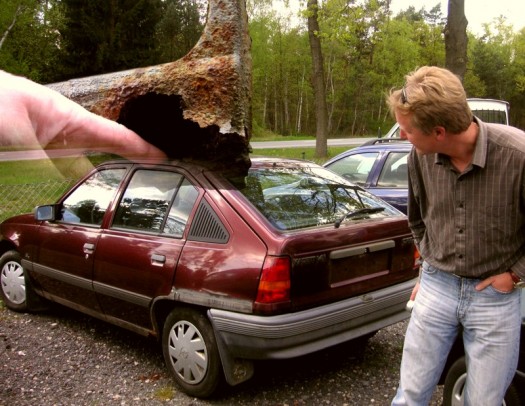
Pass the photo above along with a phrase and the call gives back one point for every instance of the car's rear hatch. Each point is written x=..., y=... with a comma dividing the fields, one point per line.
x=348, y=261
x=332, y=257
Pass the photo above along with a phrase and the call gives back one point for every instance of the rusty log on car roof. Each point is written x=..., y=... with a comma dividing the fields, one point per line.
x=197, y=107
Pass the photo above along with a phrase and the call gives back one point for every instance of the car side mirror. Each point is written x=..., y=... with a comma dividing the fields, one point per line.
x=48, y=212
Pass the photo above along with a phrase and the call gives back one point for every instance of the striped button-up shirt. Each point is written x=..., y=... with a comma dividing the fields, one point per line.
x=472, y=224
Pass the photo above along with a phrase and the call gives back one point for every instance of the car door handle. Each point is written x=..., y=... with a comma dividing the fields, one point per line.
x=157, y=259
x=89, y=248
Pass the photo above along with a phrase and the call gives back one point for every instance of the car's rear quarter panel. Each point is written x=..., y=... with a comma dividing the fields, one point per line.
x=226, y=274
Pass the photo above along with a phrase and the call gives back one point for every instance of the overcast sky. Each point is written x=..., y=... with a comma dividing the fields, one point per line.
x=476, y=11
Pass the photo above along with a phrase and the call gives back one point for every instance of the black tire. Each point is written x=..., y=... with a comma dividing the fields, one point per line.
x=191, y=353
x=455, y=383
x=13, y=287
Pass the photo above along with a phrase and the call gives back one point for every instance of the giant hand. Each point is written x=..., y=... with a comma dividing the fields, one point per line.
x=33, y=115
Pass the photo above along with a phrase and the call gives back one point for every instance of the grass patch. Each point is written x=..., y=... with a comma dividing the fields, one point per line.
x=269, y=136
x=45, y=170
x=165, y=394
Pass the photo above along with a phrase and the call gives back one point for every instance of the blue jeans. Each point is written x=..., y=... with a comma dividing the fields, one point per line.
x=491, y=328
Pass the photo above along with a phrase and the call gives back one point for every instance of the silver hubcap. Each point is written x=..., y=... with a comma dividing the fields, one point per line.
x=188, y=352
x=457, y=391
x=13, y=283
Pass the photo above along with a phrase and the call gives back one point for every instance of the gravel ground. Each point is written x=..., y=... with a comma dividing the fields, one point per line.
x=61, y=357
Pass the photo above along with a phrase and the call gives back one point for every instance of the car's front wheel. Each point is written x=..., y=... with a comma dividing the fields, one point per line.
x=12, y=282
x=191, y=353
x=455, y=383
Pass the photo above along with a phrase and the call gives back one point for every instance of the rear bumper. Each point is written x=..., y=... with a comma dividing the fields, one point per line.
x=285, y=336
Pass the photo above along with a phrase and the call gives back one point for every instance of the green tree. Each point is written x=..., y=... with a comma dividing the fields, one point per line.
x=492, y=60
x=431, y=37
x=397, y=54
x=9, y=16
x=353, y=33
x=518, y=99
x=281, y=71
x=180, y=28
x=474, y=86
x=108, y=35
x=29, y=38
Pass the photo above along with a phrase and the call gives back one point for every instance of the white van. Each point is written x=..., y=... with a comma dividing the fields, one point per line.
x=487, y=110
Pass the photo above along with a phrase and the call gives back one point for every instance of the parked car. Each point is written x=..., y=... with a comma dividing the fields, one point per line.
x=455, y=374
x=488, y=110
x=379, y=166
x=287, y=260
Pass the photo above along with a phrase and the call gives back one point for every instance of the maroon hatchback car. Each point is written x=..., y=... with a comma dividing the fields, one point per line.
x=287, y=260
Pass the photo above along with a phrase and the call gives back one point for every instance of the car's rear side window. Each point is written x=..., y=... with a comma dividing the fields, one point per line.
x=395, y=171
x=88, y=203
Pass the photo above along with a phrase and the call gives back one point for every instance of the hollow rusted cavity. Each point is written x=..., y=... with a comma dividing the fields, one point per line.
x=197, y=107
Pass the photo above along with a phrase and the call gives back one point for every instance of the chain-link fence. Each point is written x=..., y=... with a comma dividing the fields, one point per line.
x=18, y=199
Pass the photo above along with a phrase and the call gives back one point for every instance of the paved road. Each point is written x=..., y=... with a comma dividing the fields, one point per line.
x=38, y=154
x=335, y=142
x=58, y=153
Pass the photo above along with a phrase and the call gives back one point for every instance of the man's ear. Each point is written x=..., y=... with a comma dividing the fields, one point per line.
x=439, y=132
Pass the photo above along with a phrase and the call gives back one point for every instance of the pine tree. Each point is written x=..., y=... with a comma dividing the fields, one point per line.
x=101, y=36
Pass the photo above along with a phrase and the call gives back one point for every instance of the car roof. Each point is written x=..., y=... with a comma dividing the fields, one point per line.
x=205, y=166
x=495, y=104
x=388, y=143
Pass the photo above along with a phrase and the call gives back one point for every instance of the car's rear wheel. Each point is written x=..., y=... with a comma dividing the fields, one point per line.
x=455, y=383
x=191, y=353
x=12, y=282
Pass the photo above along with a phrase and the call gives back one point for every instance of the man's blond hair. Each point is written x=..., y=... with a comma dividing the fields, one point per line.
x=435, y=97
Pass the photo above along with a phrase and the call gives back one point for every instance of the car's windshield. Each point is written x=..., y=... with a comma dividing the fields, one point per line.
x=306, y=196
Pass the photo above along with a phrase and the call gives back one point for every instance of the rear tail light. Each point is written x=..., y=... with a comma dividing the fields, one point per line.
x=273, y=293
x=417, y=258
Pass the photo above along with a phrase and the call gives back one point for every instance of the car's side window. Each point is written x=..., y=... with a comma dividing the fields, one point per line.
x=356, y=167
x=180, y=209
x=394, y=173
x=88, y=203
x=146, y=200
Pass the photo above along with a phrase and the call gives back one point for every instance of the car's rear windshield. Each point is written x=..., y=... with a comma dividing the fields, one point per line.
x=491, y=116
x=307, y=196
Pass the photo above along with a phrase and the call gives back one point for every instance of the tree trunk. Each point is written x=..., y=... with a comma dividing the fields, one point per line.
x=321, y=112
x=265, y=102
x=456, y=38
x=286, y=107
x=6, y=33
x=300, y=105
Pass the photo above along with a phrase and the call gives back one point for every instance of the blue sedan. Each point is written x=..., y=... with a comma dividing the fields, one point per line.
x=379, y=166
